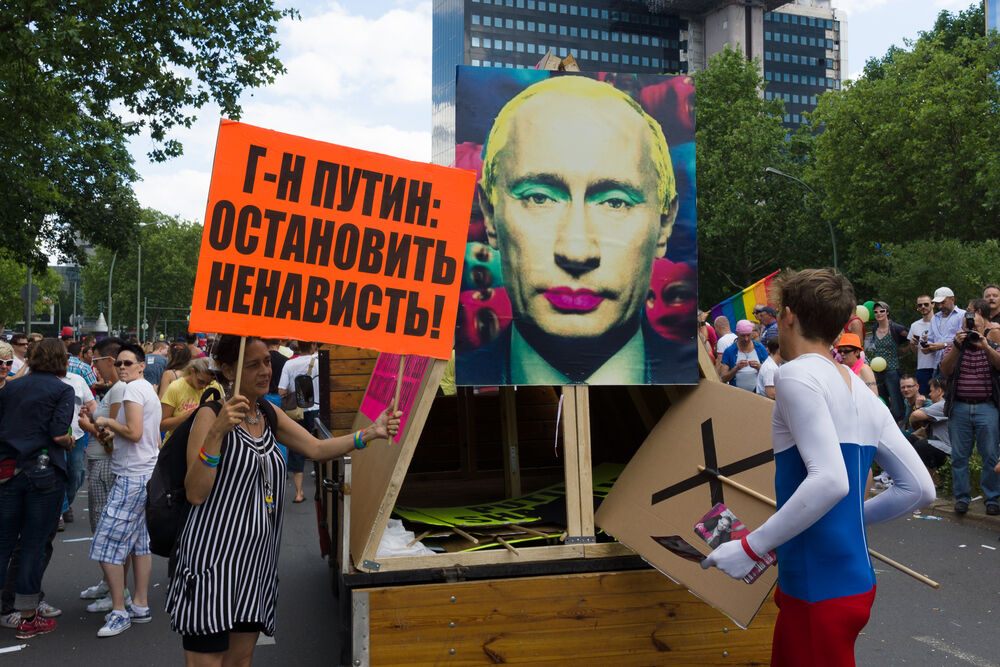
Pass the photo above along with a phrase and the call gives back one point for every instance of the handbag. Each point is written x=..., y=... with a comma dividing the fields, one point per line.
x=296, y=398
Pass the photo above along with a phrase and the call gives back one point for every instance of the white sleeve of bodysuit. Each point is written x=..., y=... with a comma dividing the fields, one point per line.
x=912, y=486
x=807, y=416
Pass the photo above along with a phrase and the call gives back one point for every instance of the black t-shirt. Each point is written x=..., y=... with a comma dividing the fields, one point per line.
x=277, y=363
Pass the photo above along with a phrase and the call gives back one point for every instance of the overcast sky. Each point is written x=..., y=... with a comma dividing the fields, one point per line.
x=359, y=74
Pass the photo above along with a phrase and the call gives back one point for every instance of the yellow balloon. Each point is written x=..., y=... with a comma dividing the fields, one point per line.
x=863, y=313
x=877, y=364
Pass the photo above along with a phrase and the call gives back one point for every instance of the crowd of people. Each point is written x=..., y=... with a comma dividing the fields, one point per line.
x=947, y=405
x=98, y=412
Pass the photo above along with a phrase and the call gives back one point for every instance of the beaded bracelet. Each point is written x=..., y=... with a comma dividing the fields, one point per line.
x=208, y=459
x=358, y=442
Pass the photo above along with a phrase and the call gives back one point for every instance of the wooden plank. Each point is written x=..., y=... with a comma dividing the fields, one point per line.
x=619, y=618
x=705, y=365
x=379, y=470
x=586, y=483
x=571, y=462
x=341, y=382
x=485, y=557
x=607, y=550
x=338, y=352
x=508, y=439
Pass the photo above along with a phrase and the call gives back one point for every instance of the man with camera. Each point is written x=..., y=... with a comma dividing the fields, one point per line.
x=973, y=404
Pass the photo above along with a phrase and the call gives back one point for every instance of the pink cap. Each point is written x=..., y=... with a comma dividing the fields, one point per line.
x=744, y=327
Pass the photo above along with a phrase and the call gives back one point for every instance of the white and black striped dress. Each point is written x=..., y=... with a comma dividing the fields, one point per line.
x=227, y=566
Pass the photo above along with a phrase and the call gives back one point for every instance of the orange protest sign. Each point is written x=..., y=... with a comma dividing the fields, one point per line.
x=315, y=241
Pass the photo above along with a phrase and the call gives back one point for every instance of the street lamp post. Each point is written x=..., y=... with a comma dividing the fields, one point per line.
x=833, y=238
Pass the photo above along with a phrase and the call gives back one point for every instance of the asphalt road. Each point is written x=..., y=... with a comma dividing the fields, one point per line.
x=305, y=617
x=913, y=624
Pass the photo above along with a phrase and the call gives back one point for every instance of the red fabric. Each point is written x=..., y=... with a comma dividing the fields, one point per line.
x=974, y=376
x=820, y=634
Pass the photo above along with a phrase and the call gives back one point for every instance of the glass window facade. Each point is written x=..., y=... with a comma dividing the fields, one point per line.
x=801, y=60
x=621, y=36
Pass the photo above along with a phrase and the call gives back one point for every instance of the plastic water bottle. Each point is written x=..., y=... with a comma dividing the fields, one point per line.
x=43, y=460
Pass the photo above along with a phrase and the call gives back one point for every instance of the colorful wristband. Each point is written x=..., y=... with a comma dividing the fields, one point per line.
x=358, y=442
x=748, y=550
x=208, y=459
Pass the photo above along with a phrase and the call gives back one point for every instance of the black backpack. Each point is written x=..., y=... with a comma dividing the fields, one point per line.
x=167, y=505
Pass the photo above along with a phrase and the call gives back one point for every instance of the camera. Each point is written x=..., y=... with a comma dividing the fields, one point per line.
x=970, y=327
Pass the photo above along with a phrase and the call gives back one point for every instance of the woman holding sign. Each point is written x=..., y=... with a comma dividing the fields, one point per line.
x=223, y=591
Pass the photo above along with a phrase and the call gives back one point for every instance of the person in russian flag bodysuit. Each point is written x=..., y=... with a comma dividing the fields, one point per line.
x=827, y=429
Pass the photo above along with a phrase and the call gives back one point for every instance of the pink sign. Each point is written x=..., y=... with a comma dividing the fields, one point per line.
x=382, y=387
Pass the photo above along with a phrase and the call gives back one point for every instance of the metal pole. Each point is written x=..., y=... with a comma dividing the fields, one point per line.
x=833, y=238
x=111, y=272
x=29, y=307
x=138, y=290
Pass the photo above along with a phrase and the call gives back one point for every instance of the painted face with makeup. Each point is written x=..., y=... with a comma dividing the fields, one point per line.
x=577, y=217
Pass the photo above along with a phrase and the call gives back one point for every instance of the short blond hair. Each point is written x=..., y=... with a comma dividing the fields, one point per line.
x=589, y=89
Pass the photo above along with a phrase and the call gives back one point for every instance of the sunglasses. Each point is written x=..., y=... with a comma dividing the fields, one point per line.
x=879, y=312
x=846, y=350
x=25, y=344
x=126, y=364
x=923, y=305
x=96, y=359
x=6, y=362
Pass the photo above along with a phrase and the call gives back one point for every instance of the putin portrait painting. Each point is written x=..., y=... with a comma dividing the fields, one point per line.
x=578, y=197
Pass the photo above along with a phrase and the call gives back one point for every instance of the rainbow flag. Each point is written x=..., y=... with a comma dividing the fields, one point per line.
x=740, y=306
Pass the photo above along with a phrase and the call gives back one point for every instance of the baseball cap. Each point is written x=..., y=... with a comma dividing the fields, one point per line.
x=744, y=327
x=942, y=293
x=67, y=331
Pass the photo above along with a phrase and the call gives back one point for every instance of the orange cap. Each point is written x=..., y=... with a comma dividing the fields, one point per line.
x=849, y=340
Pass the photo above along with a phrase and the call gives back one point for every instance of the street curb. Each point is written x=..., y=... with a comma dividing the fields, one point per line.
x=944, y=508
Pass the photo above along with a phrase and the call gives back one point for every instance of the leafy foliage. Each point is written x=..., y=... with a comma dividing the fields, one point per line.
x=13, y=276
x=69, y=72
x=911, y=151
x=749, y=224
x=169, y=260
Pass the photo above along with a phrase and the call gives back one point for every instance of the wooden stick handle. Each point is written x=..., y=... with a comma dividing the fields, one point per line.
x=874, y=554
x=509, y=547
x=465, y=534
x=239, y=366
x=399, y=382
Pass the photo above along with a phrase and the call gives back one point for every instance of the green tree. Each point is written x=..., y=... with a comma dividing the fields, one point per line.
x=13, y=276
x=169, y=260
x=912, y=151
x=70, y=72
x=918, y=267
x=749, y=224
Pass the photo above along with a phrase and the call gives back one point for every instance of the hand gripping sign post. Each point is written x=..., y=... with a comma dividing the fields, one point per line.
x=321, y=242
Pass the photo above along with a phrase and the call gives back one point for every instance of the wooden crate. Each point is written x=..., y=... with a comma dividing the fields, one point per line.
x=634, y=617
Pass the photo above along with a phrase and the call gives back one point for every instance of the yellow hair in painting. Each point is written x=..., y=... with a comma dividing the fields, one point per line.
x=586, y=89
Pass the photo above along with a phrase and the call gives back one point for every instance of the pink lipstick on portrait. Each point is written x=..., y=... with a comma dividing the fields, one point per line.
x=570, y=300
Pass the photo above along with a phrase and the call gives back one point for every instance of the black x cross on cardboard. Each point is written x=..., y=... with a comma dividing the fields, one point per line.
x=662, y=493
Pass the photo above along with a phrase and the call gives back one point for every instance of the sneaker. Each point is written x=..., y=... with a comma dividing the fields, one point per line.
x=139, y=614
x=11, y=620
x=105, y=603
x=961, y=507
x=62, y=525
x=117, y=623
x=46, y=610
x=34, y=626
x=95, y=592
x=993, y=509
x=68, y=515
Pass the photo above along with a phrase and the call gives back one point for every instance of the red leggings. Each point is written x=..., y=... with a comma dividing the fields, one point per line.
x=819, y=633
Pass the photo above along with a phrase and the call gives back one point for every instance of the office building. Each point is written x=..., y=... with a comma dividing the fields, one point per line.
x=805, y=54
x=671, y=36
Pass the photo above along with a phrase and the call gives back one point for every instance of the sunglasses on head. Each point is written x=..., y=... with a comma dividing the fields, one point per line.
x=126, y=364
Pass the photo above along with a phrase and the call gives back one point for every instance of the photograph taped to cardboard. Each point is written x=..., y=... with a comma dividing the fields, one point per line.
x=581, y=259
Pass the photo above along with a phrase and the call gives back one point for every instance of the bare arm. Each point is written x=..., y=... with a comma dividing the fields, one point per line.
x=868, y=376
x=726, y=373
x=208, y=432
x=132, y=428
x=293, y=436
x=168, y=422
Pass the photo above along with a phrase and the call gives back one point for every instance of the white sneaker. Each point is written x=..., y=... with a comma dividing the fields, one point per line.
x=11, y=620
x=47, y=610
x=105, y=603
x=117, y=623
x=140, y=615
x=95, y=592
